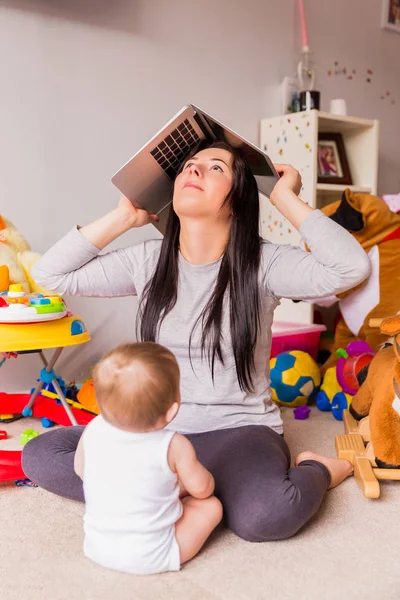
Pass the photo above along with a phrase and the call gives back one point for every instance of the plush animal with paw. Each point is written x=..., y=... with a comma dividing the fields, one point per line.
x=16, y=259
x=369, y=219
x=379, y=397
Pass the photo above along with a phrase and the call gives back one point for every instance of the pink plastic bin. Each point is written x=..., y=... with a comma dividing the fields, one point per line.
x=295, y=336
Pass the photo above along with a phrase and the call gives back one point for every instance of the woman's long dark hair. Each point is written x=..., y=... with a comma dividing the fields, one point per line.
x=238, y=274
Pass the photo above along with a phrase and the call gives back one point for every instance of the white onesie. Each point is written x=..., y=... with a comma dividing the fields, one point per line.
x=132, y=499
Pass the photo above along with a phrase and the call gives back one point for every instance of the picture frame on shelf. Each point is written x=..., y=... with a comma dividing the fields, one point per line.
x=391, y=15
x=332, y=163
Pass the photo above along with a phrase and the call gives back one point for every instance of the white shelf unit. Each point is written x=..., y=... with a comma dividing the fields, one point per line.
x=293, y=139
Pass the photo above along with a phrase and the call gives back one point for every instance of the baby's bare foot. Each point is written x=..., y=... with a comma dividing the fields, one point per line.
x=339, y=468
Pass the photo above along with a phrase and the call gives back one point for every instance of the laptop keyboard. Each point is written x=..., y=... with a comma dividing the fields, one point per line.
x=172, y=151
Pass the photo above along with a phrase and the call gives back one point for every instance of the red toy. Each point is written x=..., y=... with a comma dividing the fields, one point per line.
x=357, y=355
x=10, y=465
x=10, y=460
x=3, y=434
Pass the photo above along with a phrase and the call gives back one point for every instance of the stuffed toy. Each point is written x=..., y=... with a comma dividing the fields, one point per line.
x=379, y=397
x=369, y=219
x=16, y=259
x=11, y=242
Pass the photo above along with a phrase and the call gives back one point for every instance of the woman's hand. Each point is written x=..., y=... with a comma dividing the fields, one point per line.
x=132, y=216
x=285, y=196
x=105, y=230
x=289, y=182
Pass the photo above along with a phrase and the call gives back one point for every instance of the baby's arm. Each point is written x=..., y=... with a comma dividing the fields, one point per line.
x=79, y=458
x=195, y=478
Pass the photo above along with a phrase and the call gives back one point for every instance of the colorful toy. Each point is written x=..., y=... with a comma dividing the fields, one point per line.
x=44, y=408
x=34, y=337
x=87, y=397
x=3, y=434
x=302, y=412
x=369, y=219
x=340, y=383
x=11, y=243
x=27, y=435
x=295, y=377
x=18, y=307
x=356, y=357
x=374, y=418
x=16, y=260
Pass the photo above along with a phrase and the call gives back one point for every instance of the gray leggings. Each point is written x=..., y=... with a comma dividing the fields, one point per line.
x=263, y=498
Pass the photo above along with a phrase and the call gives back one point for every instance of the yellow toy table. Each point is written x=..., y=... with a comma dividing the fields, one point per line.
x=26, y=338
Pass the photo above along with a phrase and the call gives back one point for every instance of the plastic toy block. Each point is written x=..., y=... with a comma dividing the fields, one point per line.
x=40, y=301
x=27, y=435
x=3, y=434
x=302, y=412
x=16, y=287
x=50, y=308
x=55, y=299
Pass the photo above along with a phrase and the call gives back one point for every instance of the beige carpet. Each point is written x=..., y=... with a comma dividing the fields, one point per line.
x=349, y=551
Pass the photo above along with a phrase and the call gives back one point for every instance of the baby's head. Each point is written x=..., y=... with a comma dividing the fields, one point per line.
x=137, y=386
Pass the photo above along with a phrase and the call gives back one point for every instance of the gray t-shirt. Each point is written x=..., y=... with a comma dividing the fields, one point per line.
x=73, y=266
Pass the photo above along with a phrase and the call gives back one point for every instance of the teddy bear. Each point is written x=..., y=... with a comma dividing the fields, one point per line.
x=379, y=398
x=16, y=259
x=369, y=219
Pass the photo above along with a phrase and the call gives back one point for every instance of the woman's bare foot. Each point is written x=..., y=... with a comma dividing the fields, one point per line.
x=337, y=467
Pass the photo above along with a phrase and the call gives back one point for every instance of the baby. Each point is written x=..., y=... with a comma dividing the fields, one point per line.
x=134, y=470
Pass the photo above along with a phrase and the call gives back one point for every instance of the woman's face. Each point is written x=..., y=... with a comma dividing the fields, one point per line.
x=203, y=185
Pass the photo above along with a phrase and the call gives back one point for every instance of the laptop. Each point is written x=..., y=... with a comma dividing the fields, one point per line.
x=147, y=178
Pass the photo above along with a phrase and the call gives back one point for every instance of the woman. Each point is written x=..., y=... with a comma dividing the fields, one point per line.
x=208, y=291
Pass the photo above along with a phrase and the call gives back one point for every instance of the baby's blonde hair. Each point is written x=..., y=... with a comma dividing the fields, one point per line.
x=136, y=384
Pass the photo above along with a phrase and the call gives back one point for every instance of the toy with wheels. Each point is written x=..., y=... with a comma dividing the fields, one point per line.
x=295, y=378
x=330, y=397
x=341, y=382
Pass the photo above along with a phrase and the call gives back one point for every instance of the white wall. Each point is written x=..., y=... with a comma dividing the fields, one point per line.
x=85, y=83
